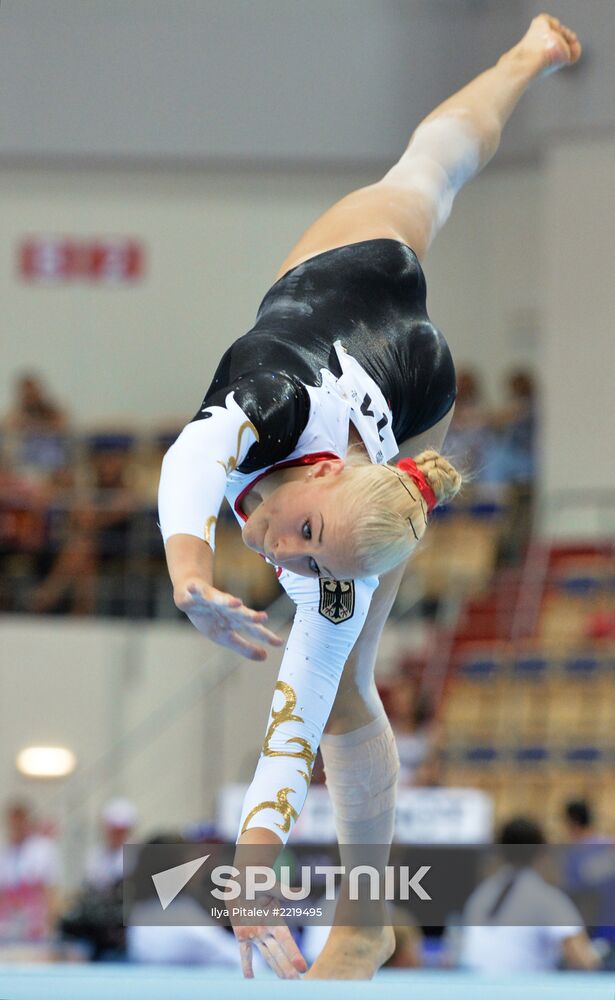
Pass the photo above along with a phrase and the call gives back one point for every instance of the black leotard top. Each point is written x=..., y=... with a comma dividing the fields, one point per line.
x=371, y=297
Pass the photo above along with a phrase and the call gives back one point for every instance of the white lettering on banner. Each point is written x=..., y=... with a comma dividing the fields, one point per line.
x=56, y=260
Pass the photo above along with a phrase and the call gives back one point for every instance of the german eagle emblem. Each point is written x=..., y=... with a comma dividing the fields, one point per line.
x=336, y=600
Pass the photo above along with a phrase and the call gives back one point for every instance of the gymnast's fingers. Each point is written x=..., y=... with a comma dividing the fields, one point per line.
x=247, y=614
x=245, y=953
x=271, y=958
x=282, y=958
x=260, y=632
x=232, y=640
x=287, y=943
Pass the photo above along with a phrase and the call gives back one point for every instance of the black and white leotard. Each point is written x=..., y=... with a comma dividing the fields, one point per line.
x=342, y=338
x=370, y=296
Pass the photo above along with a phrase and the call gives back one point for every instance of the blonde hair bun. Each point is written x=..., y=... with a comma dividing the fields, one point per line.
x=443, y=478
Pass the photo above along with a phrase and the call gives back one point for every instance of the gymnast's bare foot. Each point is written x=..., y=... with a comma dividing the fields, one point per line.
x=550, y=44
x=353, y=953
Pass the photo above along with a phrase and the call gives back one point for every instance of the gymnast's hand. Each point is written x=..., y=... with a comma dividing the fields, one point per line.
x=275, y=943
x=222, y=617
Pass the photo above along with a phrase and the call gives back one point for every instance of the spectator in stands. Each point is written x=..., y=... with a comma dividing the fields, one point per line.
x=33, y=409
x=418, y=733
x=95, y=916
x=469, y=436
x=104, y=865
x=29, y=878
x=581, y=825
x=511, y=461
x=513, y=453
x=589, y=870
x=35, y=429
x=97, y=534
x=515, y=921
x=191, y=937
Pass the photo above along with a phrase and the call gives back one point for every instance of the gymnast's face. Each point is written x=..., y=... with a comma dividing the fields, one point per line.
x=300, y=525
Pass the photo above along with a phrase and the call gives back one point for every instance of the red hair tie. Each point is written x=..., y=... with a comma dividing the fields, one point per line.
x=411, y=469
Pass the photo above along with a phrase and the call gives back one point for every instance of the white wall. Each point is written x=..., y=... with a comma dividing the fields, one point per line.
x=579, y=344
x=214, y=242
x=152, y=712
x=205, y=80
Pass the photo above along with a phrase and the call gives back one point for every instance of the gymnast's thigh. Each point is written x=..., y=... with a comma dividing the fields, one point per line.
x=378, y=211
x=432, y=438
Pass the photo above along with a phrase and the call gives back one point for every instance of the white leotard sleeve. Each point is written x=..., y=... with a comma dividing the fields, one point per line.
x=194, y=470
x=327, y=623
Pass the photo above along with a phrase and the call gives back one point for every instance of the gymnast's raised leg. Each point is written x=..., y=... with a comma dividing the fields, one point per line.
x=413, y=200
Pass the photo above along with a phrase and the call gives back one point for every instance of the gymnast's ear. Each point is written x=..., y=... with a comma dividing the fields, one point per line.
x=326, y=467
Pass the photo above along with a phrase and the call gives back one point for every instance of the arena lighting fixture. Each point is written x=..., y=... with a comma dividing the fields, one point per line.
x=46, y=762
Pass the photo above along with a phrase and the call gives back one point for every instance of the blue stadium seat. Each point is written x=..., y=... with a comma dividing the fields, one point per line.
x=483, y=754
x=582, y=665
x=485, y=509
x=110, y=441
x=480, y=668
x=532, y=754
x=584, y=755
x=531, y=667
x=580, y=586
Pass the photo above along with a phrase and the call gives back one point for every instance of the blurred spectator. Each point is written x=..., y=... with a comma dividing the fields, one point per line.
x=29, y=878
x=191, y=938
x=580, y=824
x=33, y=409
x=589, y=869
x=191, y=943
x=468, y=437
x=104, y=865
x=515, y=921
x=22, y=511
x=511, y=461
x=513, y=452
x=98, y=532
x=418, y=733
x=35, y=430
x=430, y=772
x=95, y=917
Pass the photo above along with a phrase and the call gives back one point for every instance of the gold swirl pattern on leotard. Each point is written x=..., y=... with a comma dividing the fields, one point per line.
x=210, y=524
x=286, y=714
x=231, y=463
x=281, y=805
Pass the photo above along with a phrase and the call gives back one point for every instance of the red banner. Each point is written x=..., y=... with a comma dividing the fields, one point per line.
x=57, y=260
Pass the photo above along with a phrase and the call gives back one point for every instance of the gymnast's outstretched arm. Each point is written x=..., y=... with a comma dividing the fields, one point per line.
x=191, y=490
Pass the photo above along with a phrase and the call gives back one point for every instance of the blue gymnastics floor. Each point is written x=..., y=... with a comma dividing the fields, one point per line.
x=125, y=982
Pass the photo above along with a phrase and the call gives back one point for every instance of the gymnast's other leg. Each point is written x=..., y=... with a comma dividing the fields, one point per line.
x=413, y=200
x=361, y=765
